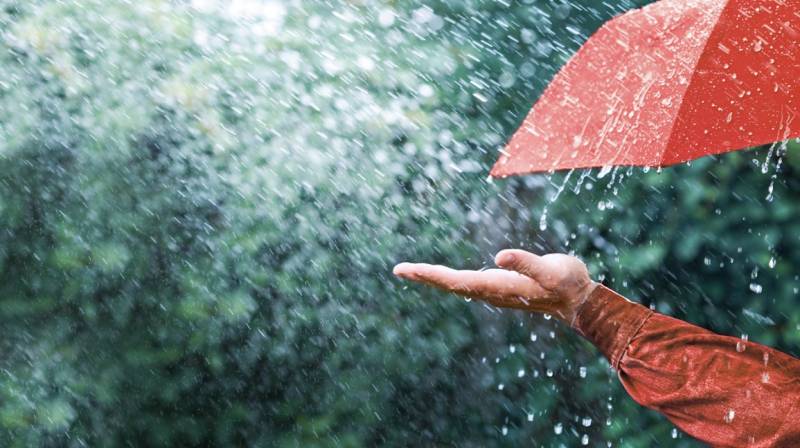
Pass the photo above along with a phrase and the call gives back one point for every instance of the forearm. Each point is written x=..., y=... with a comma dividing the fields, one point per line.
x=609, y=321
x=716, y=388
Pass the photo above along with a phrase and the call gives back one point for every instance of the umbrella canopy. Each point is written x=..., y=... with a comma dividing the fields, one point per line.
x=668, y=83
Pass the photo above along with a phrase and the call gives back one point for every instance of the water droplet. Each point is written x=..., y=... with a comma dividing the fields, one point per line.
x=585, y=439
x=558, y=428
x=586, y=421
x=729, y=416
x=386, y=18
x=582, y=372
x=741, y=345
x=426, y=91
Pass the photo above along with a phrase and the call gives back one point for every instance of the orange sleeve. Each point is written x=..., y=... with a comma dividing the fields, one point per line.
x=721, y=390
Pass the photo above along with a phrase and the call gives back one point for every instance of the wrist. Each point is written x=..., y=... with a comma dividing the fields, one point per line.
x=587, y=292
x=580, y=299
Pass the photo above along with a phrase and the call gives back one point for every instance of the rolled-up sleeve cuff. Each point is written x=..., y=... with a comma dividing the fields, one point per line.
x=610, y=321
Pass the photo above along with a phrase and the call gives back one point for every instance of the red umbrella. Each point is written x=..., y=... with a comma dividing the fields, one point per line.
x=674, y=81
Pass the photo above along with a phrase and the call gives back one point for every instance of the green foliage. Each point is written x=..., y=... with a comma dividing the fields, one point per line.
x=199, y=213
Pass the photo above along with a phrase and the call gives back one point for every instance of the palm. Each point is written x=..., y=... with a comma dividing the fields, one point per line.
x=554, y=283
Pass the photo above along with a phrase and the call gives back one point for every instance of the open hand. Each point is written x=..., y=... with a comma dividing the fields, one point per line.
x=556, y=284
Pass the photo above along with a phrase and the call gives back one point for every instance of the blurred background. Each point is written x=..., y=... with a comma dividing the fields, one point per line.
x=201, y=203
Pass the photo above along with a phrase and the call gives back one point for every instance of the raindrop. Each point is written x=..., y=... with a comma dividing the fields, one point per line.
x=585, y=439
x=426, y=91
x=558, y=428
x=729, y=416
x=386, y=18
x=604, y=171
x=770, y=197
x=741, y=345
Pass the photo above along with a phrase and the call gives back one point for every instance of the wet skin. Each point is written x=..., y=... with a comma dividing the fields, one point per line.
x=555, y=284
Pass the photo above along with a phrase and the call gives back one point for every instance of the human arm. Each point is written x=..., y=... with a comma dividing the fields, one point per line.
x=719, y=389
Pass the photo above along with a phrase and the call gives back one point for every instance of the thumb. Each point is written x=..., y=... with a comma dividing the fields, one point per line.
x=523, y=262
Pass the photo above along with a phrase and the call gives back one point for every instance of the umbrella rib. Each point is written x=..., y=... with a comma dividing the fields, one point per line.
x=682, y=101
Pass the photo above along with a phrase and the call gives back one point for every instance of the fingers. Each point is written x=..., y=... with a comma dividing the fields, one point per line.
x=523, y=262
x=492, y=285
x=440, y=277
